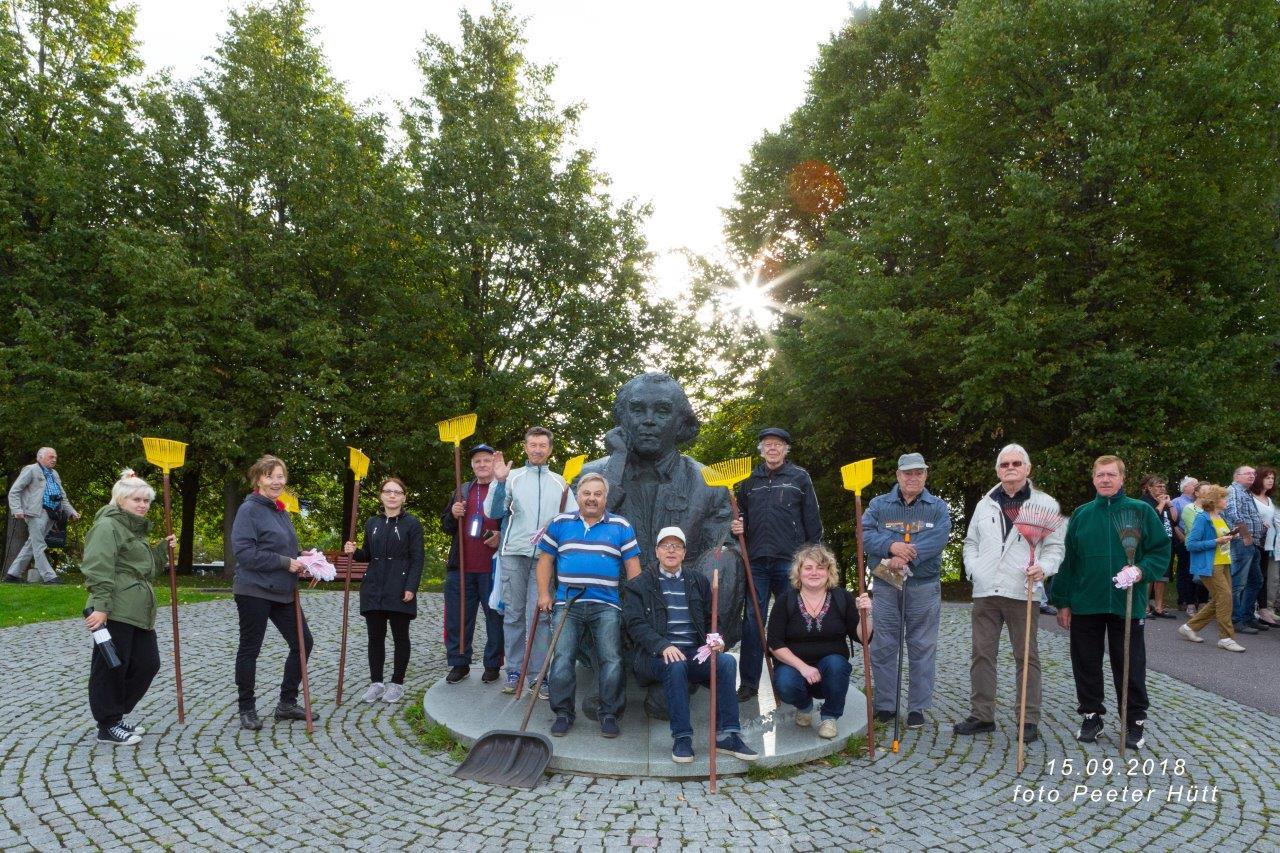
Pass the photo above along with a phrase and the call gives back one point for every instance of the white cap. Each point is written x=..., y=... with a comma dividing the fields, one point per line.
x=671, y=531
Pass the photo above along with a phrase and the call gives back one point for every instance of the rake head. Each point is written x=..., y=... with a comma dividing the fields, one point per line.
x=166, y=454
x=456, y=429
x=1035, y=521
x=290, y=501
x=359, y=463
x=573, y=468
x=727, y=474
x=857, y=475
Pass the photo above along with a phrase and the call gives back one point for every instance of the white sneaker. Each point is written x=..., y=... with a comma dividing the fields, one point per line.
x=374, y=693
x=827, y=728
x=804, y=718
x=1185, y=630
x=1230, y=645
x=394, y=693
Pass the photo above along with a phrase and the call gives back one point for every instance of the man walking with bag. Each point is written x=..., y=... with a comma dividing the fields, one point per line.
x=34, y=496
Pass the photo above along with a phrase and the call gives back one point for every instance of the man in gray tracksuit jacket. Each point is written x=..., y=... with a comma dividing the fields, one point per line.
x=525, y=500
x=37, y=488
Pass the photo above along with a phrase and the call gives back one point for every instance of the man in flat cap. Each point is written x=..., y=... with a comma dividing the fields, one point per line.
x=910, y=612
x=779, y=515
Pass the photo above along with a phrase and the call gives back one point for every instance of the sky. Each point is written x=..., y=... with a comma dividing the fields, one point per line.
x=676, y=93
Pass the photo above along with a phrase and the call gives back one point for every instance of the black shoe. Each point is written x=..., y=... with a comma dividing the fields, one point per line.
x=1048, y=610
x=746, y=693
x=1135, y=735
x=1030, y=733
x=294, y=711
x=1258, y=625
x=884, y=716
x=457, y=674
x=609, y=726
x=8, y=578
x=490, y=674
x=972, y=726
x=915, y=720
x=1163, y=614
x=249, y=720
x=1090, y=728
x=1245, y=628
x=561, y=726
x=51, y=582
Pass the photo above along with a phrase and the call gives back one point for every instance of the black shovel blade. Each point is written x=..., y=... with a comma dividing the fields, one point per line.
x=512, y=758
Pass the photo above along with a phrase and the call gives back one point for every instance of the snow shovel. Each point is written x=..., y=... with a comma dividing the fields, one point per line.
x=167, y=455
x=727, y=475
x=455, y=430
x=359, y=464
x=518, y=758
x=857, y=476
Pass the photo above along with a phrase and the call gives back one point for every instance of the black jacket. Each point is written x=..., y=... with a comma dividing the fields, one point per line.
x=644, y=611
x=780, y=511
x=393, y=549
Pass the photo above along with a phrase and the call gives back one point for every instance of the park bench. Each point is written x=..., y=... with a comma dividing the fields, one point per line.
x=345, y=565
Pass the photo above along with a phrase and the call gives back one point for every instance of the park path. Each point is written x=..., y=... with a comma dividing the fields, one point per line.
x=362, y=784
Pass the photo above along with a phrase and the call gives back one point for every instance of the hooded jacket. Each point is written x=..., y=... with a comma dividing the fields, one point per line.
x=1094, y=556
x=119, y=565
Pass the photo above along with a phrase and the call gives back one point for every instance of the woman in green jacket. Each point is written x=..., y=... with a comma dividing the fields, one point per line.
x=118, y=568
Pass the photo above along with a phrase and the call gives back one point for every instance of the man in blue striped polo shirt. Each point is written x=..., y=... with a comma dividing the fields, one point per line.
x=587, y=551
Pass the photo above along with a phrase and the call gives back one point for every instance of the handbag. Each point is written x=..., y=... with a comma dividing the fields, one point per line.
x=55, y=534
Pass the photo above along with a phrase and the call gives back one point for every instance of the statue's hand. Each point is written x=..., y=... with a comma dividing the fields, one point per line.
x=615, y=441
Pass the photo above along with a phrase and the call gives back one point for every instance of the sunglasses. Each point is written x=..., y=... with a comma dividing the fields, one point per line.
x=1013, y=463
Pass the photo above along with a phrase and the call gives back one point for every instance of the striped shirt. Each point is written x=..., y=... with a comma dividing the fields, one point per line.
x=589, y=557
x=679, y=626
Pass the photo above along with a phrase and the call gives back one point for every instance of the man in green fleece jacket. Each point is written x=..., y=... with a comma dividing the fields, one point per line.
x=1089, y=593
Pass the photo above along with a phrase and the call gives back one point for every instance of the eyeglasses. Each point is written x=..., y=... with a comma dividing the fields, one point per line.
x=671, y=546
x=392, y=492
x=1012, y=463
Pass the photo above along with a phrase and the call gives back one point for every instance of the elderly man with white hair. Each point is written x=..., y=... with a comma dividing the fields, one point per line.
x=999, y=562
x=33, y=496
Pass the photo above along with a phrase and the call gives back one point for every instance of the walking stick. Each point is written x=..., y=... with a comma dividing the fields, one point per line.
x=1127, y=527
x=302, y=658
x=167, y=455
x=455, y=430
x=1035, y=522
x=728, y=474
x=359, y=464
x=857, y=476
x=715, y=613
x=902, y=653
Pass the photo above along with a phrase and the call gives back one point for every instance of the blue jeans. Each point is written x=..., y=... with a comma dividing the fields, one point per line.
x=770, y=576
x=676, y=678
x=604, y=625
x=479, y=585
x=794, y=690
x=1246, y=581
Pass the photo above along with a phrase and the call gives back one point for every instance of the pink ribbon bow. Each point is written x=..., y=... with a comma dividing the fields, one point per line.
x=1128, y=576
x=705, y=651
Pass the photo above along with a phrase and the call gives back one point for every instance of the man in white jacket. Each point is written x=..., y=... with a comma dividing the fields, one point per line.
x=996, y=560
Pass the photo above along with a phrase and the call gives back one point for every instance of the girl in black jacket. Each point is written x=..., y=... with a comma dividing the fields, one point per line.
x=389, y=592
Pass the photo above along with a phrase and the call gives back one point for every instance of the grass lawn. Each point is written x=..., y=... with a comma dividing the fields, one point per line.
x=21, y=604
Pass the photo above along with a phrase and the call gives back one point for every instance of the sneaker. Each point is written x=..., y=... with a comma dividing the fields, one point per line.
x=1135, y=735
x=1090, y=728
x=1191, y=610
x=510, y=686
x=972, y=726
x=1245, y=628
x=137, y=730
x=1230, y=645
x=1163, y=614
x=118, y=736
x=8, y=578
x=827, y=728
x=457, y=674
x=1258, y=626
x=746, y=693
x=732, y=744
x=561, y=726
x=294, y=711
x=884, y=716
x=915, y=720
x=395, y=692
x=490, y=675
x=249, y=720
x=53, y=581
x=374, y=693
x=682, y=750
x=1030, y=733
x=1185, y=630
x=1267, y=617
x=804, y=718
x=609, y=726
x=543, y=690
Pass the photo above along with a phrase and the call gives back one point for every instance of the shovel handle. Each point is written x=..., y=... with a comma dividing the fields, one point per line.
x=546, y=663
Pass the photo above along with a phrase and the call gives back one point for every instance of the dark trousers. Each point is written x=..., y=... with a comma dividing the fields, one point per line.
x=377, y=621
x=676, y=678
x=1189, y=592
x=479, y=585
x=113, y=693
x=771, y=576
x=1089, y=634
x=254, y=614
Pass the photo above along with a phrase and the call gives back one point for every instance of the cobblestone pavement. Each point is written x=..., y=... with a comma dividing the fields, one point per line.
x=209, y=785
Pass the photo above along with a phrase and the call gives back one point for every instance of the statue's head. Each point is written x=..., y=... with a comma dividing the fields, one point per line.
x=655, y=414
